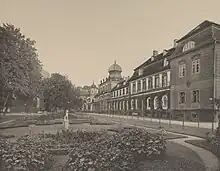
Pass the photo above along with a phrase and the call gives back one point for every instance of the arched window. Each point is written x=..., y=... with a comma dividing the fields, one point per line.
x=165, y=102
x=156, y=102
x=148, y=103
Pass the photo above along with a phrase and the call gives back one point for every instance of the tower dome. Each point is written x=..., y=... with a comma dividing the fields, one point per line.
x=115, y=67
x=93, y=85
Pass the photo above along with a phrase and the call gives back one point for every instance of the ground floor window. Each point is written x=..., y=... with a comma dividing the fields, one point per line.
x=156, y=102
x=195, y=96
x=148, y=103
x=165, y=102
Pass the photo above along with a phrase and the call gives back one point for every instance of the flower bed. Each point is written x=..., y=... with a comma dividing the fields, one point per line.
x=14, y=124
x=122, y=151
x=27, y=154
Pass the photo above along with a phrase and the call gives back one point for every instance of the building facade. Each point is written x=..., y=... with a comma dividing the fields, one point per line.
x=120, y=98
x=195, y=67
x=150, y=86
x=180, y=83
x=102, y=101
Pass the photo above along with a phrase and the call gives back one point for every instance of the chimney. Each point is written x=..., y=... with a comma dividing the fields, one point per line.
x=155, y=53
x=175, y=43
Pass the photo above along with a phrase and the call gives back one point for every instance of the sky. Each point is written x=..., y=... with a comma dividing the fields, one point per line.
x=82, y=38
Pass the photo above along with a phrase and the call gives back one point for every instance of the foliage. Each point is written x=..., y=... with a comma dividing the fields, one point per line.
x=20, y=71
x=58, y=92
x=122, y=151
x=27, y=154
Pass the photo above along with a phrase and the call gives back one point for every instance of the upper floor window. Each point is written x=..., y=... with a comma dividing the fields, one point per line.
x=196, y=66
x=150, y=83
x=195, y=96
x=182, y=70
x=144, y=84
x=164, y=80
x=126, y=90
x=189, y=45
x=182, y=97
x=140, y=71
x=134, y=87
x=139, y=85
x=165, y=62
x=157, y=81
x=123, y=91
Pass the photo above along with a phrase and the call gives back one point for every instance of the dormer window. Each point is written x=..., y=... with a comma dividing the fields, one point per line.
x=189, y=45
x=140, y=71
x=164, y=52
x=152, y=58
x=165, y=62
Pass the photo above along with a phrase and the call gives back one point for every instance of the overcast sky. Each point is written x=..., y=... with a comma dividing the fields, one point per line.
x=82, y=38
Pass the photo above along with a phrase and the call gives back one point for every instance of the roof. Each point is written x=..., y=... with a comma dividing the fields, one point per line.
x=152, y=67
x=115, y=67
x=93, y=85
x=157, y=58
x=205, y=24
x=120, y=85
x=207, y=35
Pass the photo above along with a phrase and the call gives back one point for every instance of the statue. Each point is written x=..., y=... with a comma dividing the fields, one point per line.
x=66, y=120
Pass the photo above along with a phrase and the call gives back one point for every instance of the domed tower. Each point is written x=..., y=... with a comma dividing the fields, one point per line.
x=115, y=72
x=93, y=89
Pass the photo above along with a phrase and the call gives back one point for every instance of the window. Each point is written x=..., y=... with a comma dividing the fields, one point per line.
x=150, y=83
x=182, y=70
x=189, y=45
x=123, y=105
x=164, y=80
x=136, y=104
x=165, y=102
x=165, y=62
x=117, y=93
x=139, y=86
x=140, y=72
x=182, y=97
x=157, y=83
x=123, y=92
x=134, y=87
x=132, y=103
x=195, y=66
x=144, y=84
x=195, y=96
x=127, y=90
x=148, y=103
x=156, y=102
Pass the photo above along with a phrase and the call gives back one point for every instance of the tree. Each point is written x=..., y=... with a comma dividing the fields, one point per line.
x=58, y=92
x=20, y=69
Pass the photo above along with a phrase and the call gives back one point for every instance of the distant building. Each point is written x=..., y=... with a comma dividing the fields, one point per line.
x=103, y=97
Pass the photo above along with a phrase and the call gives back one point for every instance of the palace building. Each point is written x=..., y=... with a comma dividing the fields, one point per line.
x=150, y=85
x=103, y=97
x=195, y=68
x=182, y=82
x=120, y=97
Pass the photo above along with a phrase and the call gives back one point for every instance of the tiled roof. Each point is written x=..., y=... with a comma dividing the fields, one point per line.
x=120, y=85
x=205, y=24
x=152, y=67
x=157, y=58
x=207, y=35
